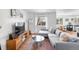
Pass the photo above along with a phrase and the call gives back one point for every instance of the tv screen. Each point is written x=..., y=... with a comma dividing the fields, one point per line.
x=19, y=30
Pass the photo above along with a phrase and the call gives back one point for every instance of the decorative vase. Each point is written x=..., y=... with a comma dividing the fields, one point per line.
x=10, y=37
x=29, y=32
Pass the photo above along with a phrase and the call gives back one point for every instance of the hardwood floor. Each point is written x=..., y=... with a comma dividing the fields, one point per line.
x=45, y=45
x=30, y=45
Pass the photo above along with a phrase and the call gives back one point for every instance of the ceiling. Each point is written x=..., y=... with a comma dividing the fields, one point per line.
x=67, y=11
x=58, y=11
x=40, y=10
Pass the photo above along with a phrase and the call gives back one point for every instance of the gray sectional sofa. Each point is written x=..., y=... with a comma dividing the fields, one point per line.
x=61, y=45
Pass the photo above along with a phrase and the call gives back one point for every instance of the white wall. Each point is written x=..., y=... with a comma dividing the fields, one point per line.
x=6, y=28
x=25, y=18
x=51, y=19
x=6, y=22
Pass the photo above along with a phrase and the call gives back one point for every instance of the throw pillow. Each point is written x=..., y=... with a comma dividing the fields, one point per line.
x=72, y=40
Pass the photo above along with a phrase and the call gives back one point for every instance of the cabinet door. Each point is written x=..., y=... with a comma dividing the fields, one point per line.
x=11, y=44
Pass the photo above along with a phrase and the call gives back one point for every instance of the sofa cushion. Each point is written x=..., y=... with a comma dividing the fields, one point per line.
x=52, y=29
x=58, y=32
x=72, y=40
x=44, y=29
x=63, y=37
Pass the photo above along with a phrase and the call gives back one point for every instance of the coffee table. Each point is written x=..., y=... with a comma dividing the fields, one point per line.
x=38, y=39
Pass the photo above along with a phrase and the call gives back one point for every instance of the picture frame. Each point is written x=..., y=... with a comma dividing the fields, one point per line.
x=13, y=12
x=16, y=12
x=66, y=19
x=72, y=19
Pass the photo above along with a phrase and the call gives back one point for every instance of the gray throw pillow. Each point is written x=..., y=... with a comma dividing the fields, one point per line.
x=72, y=40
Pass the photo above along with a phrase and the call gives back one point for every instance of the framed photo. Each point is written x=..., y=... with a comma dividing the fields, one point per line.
x=72, y=19
x=16, y=12
x=66, y=19
x=13, y=12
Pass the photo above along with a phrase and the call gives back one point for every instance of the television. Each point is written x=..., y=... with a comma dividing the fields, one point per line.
x=18, y=28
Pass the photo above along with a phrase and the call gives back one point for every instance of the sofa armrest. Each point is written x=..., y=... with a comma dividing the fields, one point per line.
x=51, y=35
x=53, y=39
x=67, y=46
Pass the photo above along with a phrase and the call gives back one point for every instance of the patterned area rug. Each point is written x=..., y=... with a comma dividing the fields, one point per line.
x=30, y=45
x=45, y=45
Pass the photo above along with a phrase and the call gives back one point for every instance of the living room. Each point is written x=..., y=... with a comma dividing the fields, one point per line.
x=15, y=18
x=39, y=29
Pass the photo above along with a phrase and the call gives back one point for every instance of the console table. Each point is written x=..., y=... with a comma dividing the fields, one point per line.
x=14, y=44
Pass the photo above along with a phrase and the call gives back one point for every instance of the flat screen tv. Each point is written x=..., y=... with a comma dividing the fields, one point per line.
x=18, y=29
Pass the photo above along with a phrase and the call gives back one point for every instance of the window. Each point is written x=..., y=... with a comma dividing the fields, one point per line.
x=41, y=21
